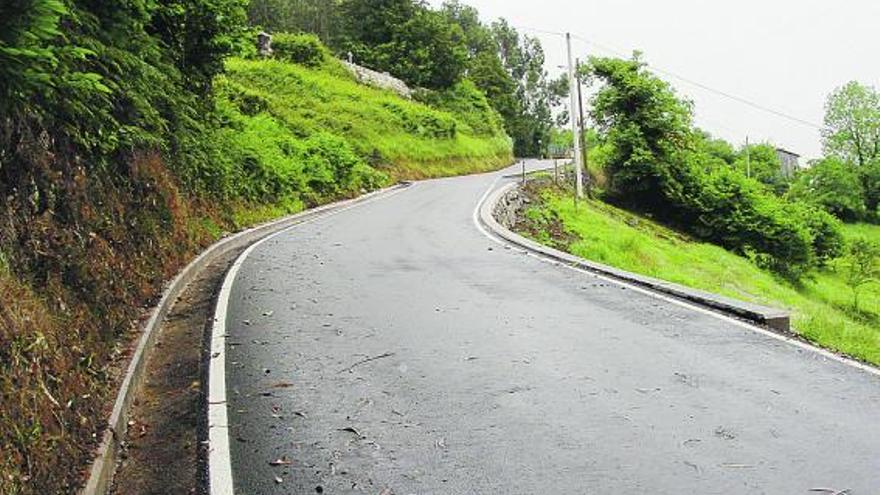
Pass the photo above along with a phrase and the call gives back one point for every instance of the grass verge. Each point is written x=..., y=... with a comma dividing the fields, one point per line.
x=821, y=305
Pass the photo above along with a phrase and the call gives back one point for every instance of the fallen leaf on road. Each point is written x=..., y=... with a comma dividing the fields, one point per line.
x=351, y=430
x=282, y=385
x=283, y=461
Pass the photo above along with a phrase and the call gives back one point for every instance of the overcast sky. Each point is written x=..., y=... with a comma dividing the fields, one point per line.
x=786, y=55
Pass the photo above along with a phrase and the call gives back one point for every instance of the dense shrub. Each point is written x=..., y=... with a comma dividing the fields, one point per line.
x=469, y=103
x=834, y=186
x=827, y=236
x=303, y=49
x=423, y=121
x=870, y=176
x=724, y=207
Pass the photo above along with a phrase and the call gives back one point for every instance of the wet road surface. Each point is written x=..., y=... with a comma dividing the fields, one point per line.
x=394, y=348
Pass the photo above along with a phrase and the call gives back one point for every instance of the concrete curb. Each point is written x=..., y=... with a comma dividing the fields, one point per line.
x=776, y=319
x=104, y=466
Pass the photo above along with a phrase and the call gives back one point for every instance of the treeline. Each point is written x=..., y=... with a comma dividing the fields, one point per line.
x=433, y=49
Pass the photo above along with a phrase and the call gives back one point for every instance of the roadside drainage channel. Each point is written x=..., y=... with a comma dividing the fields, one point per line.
x=776, y=319
x=104, y=465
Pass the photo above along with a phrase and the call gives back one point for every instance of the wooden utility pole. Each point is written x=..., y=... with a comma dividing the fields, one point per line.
x=575, y=125
x=582, y=135
x=748, y=159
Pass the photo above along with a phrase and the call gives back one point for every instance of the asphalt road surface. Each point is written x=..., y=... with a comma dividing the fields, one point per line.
x=395, y=348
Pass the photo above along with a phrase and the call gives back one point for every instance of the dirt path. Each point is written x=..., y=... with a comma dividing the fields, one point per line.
x=162, y=453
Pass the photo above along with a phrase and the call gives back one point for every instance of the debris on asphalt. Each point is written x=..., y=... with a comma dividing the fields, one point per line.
x=281, y=461
x=365, y=361
x=350, y=429
x=724, y=433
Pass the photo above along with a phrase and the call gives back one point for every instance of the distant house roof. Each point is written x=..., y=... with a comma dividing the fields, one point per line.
x=792, y=153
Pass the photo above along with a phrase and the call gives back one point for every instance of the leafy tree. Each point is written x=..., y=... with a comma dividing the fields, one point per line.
x=200, y=33
x=484, y=64
x=523, y=58
x=320, y=17
x=852, y=124
x=861, y=266
x=478, y=38
x=761, y=162
x=647, y=126
x=833, y=185
x=719, y=149
x=404, y=38
x=427, y=51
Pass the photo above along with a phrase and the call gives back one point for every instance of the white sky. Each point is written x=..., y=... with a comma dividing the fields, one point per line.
x=786, y=55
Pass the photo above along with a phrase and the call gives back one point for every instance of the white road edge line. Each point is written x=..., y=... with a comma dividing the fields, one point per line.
x=685, y=304
x=220, y=479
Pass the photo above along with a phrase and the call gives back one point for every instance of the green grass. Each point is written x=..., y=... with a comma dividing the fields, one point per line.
x=821, y=305
x=401, y=137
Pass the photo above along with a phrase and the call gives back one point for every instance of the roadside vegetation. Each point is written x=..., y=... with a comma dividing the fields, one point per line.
x=132, y=135
x=672, y=202
x=433, y=49
x=399, y=138
x=822, y=303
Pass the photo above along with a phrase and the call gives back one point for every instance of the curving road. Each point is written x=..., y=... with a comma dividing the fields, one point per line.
x=395, y=348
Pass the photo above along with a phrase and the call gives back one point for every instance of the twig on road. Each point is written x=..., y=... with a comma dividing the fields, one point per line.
x=367, y=360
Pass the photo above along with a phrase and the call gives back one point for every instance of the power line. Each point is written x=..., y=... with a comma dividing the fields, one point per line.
x=705, y=87
x=542, y=31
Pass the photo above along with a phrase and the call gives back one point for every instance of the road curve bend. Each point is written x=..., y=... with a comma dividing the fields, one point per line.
x=394, y=348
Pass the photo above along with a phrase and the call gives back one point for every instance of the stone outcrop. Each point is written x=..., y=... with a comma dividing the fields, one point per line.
x=378, y=79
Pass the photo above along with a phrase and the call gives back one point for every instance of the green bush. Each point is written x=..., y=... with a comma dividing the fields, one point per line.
x=304, y=49
x=422, y=121
x=465, y=100
x=826, y=231
x=728, y=209
x=834, y=186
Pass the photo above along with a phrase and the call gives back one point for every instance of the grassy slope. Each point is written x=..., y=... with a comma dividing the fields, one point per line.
x=821, y=307
x=391, y=132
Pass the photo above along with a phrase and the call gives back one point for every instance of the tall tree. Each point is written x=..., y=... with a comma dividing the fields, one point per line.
x=320, y=17
x=523, y=58
x=852, y=124
x=404, y=38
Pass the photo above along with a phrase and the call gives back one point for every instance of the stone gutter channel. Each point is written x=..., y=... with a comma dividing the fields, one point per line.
x=103, y=467
x=501, y=208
